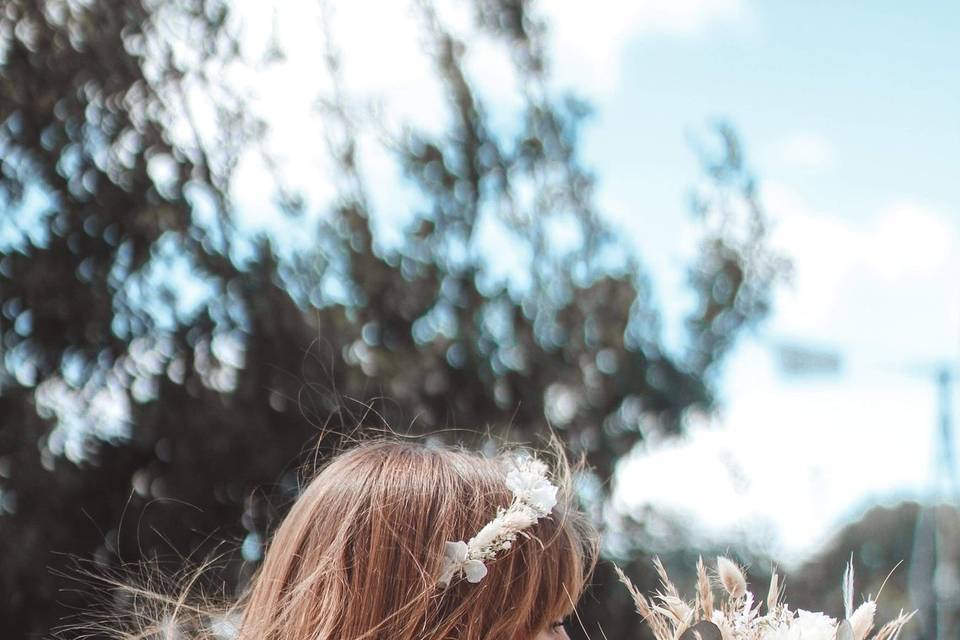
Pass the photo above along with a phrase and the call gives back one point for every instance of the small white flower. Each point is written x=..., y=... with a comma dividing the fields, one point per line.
x=533, y=488
x=456, y=552
x=457, y=560
x=812, y=625
x=474, y=570
x=454, y=556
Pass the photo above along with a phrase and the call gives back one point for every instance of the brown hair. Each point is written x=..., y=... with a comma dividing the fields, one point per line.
x=358, y=555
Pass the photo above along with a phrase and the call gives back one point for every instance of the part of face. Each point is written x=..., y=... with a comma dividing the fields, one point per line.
x=553, y=633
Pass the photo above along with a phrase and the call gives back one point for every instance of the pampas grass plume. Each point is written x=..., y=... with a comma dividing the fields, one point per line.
x=892, y=629
x=704, y=592
x=731, y=577
x=665, y=579
x=647, y=611
x=773, y=595
x=678, y=609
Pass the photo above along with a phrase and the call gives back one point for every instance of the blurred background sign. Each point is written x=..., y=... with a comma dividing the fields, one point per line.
x=798, y=360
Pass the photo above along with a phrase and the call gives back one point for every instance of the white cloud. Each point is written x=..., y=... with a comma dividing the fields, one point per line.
x=590, y=37
x=911, y=241
x=381, y=52
x=382, y=49
x=788, y=461
x=883, y=281
x=806, y=151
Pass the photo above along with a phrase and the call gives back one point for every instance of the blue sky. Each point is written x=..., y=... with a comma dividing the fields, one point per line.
x=848, y=113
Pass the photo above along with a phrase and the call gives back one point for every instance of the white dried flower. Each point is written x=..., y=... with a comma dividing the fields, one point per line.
x=808, y=625
x=456, y=555
x=862, y=619
x=534, y=496
x=723, y=623
x=813, y=625
x=529, y=483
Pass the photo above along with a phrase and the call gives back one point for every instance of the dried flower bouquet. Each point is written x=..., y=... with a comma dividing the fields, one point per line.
x=737, y=615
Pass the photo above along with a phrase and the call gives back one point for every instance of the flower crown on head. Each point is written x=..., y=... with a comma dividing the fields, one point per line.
x=534, y=496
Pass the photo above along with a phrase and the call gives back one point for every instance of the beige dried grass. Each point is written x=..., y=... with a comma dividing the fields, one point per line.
x=704, y=592
x=731, y=577
x=892, y=629
x=658, y=624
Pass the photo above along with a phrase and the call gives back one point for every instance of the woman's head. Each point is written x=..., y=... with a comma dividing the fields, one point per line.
x=359, y=553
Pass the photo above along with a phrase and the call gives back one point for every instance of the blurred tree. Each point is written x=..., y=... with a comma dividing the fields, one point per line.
x=887, y=561
x=135, y=424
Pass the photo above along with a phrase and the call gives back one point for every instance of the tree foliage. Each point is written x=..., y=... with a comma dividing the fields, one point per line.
x=134, y=425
